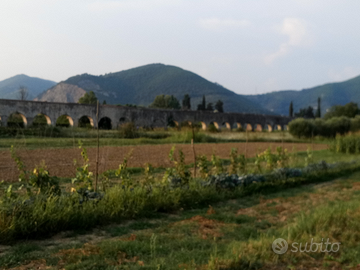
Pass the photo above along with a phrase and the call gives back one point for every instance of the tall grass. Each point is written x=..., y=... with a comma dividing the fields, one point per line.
x=349, y=144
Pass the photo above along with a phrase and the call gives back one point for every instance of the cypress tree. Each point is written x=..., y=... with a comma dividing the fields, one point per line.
x=291, y=109
x=318, y=111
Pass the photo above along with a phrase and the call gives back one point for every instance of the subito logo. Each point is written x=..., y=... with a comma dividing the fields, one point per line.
x=280, y=246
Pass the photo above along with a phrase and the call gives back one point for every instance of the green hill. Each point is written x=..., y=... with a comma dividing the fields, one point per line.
x=331, y=94
x=142, y=84
x=9, y=87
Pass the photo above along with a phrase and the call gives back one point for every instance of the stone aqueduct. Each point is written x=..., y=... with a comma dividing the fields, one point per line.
x=142, y=117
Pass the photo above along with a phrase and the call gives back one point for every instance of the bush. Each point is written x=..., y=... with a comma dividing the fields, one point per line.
x=212, y=128
x=302, y=128
x=128, y=131
x=327, y=128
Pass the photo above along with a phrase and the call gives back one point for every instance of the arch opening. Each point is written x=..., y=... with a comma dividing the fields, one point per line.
x=105, y=123
x=41, y=120
x=226, y=125
x=86, y=122
x=249, y=127
x=269, y=128
x=17, y=120
x=238, y=126
x=64, y=121
x=213, y=127
x=171, y=122
x=278, y=127
x=185, y=124
x=258, y=128
x=203, y=125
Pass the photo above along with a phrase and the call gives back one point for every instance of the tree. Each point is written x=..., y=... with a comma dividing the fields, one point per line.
x=349, y=110
x=219, y=106
x=202, y=106
x=165, y=102
x=88, y=98
x=23, y=93
x=318, y=110
x=104, y=102
x=306, y=113
x=291, y=109
x=209, y=107
x=186, y=104
x=172, y=102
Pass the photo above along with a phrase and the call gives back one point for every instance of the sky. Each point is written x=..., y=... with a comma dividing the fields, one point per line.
x=248, y=46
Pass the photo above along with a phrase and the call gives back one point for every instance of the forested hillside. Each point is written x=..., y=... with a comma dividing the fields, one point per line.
x=142, y=84
x=331, y=94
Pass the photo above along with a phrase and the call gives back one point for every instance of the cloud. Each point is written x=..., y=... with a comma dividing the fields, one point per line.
x=129, y=4
x=296, y=31
x=216, y=24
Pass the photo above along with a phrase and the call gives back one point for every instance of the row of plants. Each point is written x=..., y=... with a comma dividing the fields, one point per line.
x=40, y=207
x=349, y=144
x=308, y=128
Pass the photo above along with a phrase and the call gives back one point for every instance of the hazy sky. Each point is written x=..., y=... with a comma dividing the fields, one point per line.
x=248, y=46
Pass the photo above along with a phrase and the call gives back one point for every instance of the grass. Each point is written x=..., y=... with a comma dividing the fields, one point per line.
x=68, y=137
x=232, y=234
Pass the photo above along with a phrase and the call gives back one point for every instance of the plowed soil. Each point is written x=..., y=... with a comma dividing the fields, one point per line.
x=60, y=162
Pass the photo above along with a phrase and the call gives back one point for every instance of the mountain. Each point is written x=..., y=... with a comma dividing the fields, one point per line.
x=142, y=84
x=9, y=87
x=331, y=94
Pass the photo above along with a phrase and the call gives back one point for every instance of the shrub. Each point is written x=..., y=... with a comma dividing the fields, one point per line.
x=212, y=128
x=128, y=131
x=301, y=128
x=327, y=128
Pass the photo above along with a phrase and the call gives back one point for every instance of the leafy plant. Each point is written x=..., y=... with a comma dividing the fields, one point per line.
x=149, y=178
x=41, y=180
x=23, y=176
x=84, y=177
x=217, y=165
x=309, y=157
x=203, y=165
x=179, y=175
x=123, y=172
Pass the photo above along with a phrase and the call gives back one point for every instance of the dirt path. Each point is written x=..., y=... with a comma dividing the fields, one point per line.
x=60, y=162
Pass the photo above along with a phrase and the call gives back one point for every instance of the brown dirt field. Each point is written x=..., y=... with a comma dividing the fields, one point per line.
x=60, y=162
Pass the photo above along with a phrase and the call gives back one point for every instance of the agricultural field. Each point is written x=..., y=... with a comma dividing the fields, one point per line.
x=60, y=161
x=148, y=209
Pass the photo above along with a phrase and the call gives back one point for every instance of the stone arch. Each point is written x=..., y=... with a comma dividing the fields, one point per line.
x=105, y=123
x=269, y=128
x=237, y=125
x=258, y=128
x=227, y=125
x=278, y=127
x=203, y=125
x=17, y=119
x=249, y=127
x=158, y=123
x=215, y=124
x=41, y=119
x=86, y=120
x=64, y=121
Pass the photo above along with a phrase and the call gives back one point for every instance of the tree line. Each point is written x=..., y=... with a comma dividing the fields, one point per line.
x=164, y=102
x=306, y=112
x=339, y=119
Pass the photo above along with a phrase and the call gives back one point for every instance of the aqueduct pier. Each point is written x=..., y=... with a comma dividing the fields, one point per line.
x=142, y=117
